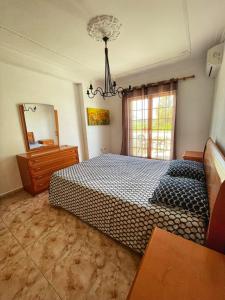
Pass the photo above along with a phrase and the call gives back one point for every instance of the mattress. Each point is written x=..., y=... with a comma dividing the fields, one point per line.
x=111, y=193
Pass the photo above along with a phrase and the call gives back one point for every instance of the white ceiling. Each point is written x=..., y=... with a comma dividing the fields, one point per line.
x=153, y=31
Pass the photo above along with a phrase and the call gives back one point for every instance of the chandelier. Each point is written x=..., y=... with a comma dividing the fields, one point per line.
x=105, y=28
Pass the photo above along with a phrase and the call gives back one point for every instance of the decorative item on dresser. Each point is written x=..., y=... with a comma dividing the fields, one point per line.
x=37, y=167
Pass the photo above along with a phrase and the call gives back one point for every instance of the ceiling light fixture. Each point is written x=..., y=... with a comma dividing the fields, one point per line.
x=105, y=28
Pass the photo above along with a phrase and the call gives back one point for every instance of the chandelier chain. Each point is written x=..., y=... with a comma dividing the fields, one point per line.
x=105, y=28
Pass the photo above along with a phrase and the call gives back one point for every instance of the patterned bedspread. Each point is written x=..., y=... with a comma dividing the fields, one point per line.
x=111, y=193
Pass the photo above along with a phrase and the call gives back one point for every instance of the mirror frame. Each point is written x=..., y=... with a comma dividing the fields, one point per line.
x=24, y=129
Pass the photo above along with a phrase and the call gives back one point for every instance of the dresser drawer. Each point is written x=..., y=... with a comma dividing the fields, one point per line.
x=42, y=184
x=39, y=167
x=42, y=171
x=43, y=159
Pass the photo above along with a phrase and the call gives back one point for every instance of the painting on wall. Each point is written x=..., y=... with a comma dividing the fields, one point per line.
x=98, y=116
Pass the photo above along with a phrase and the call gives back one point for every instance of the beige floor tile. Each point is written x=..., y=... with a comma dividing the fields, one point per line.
x=20, y=215
x=30, y=223
x=56, y=243
x=73, y=275
x=27, y=233
x=10, y=203
x=20, y=279
x=39, y=242
x=105, y=286
x=9, y=247
x=47, y=250
x=90, y=272
x=21, y=210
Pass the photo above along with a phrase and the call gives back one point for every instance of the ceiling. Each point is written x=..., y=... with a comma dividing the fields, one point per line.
x=153, y=31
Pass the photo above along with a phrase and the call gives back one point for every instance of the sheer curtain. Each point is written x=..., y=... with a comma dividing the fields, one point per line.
x=148, y=121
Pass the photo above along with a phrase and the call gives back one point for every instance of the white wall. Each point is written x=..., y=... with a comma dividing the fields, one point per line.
x=20, y=85
x=218, y=116
x=194, y=103
x=99, y=136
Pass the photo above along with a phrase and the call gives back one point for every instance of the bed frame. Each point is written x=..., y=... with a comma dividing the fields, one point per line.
x=214, y=164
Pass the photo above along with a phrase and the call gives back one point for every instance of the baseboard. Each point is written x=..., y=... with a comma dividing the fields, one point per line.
x=3, y=195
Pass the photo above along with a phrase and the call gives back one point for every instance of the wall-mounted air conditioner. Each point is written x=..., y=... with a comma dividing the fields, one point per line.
x=214, y=60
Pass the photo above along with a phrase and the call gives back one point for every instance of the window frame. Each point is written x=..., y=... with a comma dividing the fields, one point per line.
x=149, y=129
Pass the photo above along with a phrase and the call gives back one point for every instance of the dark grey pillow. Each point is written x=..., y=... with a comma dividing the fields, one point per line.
x=186, y=168
x=189, y=194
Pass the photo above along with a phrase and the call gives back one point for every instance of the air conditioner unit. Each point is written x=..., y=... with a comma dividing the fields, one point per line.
x=214, y=60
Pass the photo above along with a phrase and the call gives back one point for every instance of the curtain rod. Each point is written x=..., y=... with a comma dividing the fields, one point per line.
x=164, y=81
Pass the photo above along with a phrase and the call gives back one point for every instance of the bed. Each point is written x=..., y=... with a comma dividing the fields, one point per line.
x=111, y=193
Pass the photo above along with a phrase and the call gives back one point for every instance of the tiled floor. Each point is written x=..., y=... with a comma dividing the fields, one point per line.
x=47, y=253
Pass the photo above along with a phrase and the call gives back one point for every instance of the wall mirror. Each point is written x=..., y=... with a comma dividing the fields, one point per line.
x=40, y=126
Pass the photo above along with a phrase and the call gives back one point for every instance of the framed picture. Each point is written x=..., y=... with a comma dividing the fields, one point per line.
x=97, y=116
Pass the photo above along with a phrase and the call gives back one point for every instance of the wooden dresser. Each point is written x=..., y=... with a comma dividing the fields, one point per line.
x=36, y=168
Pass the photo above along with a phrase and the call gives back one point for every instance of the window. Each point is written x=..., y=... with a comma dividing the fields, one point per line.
x=151, y=126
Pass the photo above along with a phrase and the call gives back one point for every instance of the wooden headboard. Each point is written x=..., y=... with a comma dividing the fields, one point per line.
x=214, y=164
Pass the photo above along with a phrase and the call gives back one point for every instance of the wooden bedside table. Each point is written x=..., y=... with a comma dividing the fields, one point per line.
x=177, y=269
x=193, y=155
